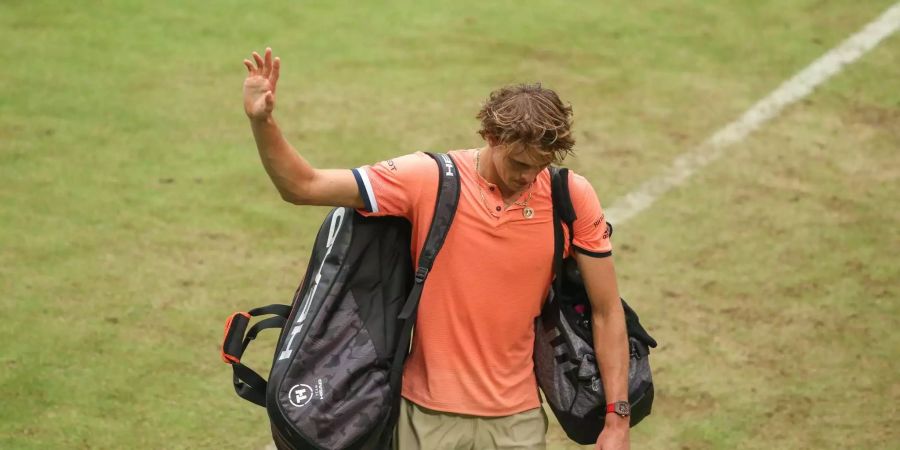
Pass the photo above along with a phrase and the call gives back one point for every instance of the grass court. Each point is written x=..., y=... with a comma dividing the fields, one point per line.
x=135, y=215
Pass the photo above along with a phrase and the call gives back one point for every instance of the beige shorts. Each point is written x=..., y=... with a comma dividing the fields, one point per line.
x=426, y=429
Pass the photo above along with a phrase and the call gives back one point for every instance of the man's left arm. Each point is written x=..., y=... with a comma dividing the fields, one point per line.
x=610, y=343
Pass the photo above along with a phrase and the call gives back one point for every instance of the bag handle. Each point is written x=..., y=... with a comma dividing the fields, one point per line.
x=248, y=384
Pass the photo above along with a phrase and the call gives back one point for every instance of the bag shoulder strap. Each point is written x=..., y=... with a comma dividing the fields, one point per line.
x=558, y=246
x=562, y=199
x=444, y=210
x=559, y=183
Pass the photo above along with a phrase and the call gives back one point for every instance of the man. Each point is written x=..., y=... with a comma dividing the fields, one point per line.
x=469, y=380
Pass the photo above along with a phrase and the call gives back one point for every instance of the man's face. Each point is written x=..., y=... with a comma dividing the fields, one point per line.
x=518, y=167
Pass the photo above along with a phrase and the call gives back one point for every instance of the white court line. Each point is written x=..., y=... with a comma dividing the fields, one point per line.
x=789, y=92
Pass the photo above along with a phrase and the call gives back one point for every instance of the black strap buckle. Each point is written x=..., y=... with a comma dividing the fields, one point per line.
x=421, y=274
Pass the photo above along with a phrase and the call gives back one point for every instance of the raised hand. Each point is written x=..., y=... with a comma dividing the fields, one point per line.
x=259, y=87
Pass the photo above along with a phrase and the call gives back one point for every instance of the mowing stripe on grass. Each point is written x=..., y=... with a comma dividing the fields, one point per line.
x=799, y=86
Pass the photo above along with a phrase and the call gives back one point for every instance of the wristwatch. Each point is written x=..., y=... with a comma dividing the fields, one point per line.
x=623, y=409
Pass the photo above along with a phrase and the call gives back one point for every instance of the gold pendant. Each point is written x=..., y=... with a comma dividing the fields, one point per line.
x=528, y=212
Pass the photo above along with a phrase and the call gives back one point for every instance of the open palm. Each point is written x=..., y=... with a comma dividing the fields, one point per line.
x=259, y=86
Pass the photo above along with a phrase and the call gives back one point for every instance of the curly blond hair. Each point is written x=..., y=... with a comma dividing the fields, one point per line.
x=529, y=115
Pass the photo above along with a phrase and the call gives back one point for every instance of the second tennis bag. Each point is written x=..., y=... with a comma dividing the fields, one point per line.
x=564, y=358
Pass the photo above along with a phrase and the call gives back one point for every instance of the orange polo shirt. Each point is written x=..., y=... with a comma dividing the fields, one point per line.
x=472, y=348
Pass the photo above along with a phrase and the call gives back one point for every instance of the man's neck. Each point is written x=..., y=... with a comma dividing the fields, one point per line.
x=485, y=166
x=488, y=171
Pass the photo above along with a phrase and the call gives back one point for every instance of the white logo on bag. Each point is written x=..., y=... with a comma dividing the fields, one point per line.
x=448, y=164
x=300, y=395
x=336, y=220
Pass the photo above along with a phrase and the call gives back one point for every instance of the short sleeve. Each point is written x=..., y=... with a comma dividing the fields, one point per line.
x=591, y=231
x=394, y=187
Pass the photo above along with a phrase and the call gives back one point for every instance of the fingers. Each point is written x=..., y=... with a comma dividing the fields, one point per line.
x=266, y=67
x=276, y=69
x=259, y=63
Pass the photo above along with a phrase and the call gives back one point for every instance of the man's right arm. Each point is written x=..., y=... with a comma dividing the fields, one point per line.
x=297, y=181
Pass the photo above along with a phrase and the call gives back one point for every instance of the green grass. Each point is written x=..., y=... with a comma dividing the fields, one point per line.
x=135, y=216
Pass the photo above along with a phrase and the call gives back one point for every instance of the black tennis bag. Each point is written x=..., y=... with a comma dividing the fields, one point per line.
x=564, y=359
x=335, y=380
